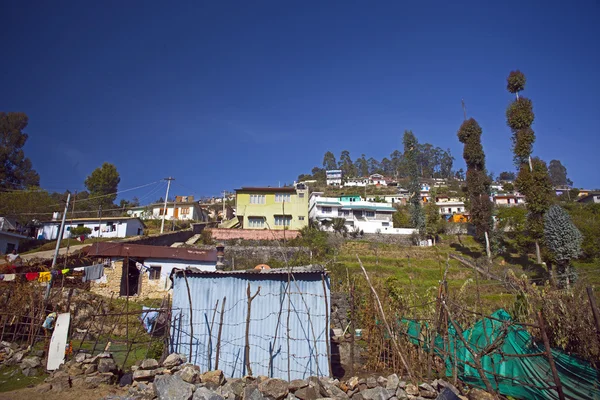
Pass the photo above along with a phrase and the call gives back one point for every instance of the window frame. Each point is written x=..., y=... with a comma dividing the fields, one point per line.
x=154, y=272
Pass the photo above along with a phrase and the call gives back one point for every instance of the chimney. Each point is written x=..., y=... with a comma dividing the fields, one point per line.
x=220, y=257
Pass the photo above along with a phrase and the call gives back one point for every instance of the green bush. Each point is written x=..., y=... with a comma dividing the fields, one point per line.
x=80, y=230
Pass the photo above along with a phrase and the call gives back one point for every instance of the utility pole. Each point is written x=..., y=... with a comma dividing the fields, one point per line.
x=224, y=218
x=162, y=224
x=58, y=240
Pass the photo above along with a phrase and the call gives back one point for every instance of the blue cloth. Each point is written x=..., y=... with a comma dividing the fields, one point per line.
x=148, y=318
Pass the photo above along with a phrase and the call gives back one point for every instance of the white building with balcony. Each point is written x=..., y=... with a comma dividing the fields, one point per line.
x=366, y=216
x=334, y=177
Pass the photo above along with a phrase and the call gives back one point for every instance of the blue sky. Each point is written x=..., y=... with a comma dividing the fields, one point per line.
x=224, y=94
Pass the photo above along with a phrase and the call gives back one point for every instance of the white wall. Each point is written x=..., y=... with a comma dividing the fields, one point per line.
x=6, y=238
x=167, y=266
x=122, y=228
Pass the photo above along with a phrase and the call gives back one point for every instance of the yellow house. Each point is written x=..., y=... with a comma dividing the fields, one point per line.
x=272, y=208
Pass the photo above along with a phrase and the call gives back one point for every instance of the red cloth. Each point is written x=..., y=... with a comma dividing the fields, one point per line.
x=30, y=276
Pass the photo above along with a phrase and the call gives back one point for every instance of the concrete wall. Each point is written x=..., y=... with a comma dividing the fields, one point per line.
x=251, y=234
x=122, y=228
x=5, y=239
x=166, y=239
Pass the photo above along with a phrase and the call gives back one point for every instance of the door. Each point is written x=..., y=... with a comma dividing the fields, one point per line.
x=130, y=279
x=175, y=212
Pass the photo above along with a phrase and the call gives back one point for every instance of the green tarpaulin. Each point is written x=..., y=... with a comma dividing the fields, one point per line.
x=519, y=377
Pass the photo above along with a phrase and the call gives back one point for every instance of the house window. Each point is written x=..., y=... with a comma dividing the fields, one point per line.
x=154, y=272
x=256, y=222
x=283, y=220
x=301, y=195
x=326, y=210
x=185, y=210
x=110, y=227
x=300, y=218
x=385, y=224
x=459, y=209
x=346, y=213
x=257, y=199
x=282, y=198
x=370, y=214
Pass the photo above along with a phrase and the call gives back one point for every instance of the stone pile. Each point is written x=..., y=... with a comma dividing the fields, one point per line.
x=83, y=371
x=174, y=379
x=30, y=362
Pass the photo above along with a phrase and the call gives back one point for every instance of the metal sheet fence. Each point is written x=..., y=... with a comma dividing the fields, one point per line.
x=281, y=332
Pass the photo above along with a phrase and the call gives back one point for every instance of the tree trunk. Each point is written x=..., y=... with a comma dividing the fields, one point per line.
x=487, y=247
x=538, y=255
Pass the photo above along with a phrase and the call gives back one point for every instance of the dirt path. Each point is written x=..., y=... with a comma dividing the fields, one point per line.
x=71, y=394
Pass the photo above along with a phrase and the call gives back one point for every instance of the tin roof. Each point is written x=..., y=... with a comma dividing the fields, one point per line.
x=267, y=189
x=109, y=249
x=307, y=269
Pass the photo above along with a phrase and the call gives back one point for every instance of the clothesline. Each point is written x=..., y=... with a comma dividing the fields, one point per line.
x=90, y=272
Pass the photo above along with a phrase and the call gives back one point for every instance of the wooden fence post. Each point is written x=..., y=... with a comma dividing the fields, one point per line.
x=187, y=285
x=590, y=294
x=219, y=334
x=247, y=347
x=561, y=395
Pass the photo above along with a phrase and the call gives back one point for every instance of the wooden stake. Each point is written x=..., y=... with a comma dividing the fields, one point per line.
x=219, y=334
x=561, y=395
x=187, y=285
x=247, y=347
x=408, y=371
x=590, y=294
x=327, y=336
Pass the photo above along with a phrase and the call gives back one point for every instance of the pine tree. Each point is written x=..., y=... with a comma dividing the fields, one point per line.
x=532, y=179
x=563, y=240
x=417, y=216
x=478, y=182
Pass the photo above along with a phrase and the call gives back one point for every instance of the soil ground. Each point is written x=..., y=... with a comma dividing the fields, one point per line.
x=71, y=394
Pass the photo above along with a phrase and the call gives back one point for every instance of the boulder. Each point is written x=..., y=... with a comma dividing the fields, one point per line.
x=307, y=393
x=233, y=389
x=189, y=374
x=392, y=382
x=93, y=381
x=75, y=370
x=89, y=368
x=107, y=365
x=171, y=387
x=401, y=394
x=216, y=377
x=126, y=380
x=174, y=360
x=104, y=355
x=149, y=363
x=30, y=371
x=61, y=383
x=371, y=382
x=144, y=374
x=352, y=382
x=318, y=385
x=81, y=357
x=43, y=388
x=203, y=393
x=441, y=384
x=31, y=362
x=251, y=392
x=412, y=389
x=478, y=394
x=297, y=384
x=381, y=381
x=275, y=389
x=377, y=393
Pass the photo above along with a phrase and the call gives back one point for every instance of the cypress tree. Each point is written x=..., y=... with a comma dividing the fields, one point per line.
x=478, y=182
x=533, y=180
x=417, y=217
x=563, y=240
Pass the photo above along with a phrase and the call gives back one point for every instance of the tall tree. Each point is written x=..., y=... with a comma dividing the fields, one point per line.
x=417, y=216
x=103, y=181
x=433, y=219
x=346, y=165
x=446, y=164
x=478, y=182
x=374, y=166
x=16, y=171
x=396, y=159
x=563, y=240
x=362, y=166
x=532, y=179
x=329, y=161
x=558, y=174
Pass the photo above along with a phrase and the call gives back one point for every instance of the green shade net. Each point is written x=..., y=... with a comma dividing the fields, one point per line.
x=519, y=377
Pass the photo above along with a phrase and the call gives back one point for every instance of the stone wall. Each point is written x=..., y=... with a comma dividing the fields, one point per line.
x=147, y=289
x=166, y=239
x=252, y=234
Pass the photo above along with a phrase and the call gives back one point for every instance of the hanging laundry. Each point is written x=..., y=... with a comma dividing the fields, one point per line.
x=64, y=271
x=30, y=276
x=93, y=272
x=44, y=277
x=9, y=277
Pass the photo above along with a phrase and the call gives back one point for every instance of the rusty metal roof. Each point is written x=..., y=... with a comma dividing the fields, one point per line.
x=108, y=249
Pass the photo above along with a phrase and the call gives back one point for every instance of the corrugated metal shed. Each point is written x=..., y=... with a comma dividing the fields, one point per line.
x=294, y=350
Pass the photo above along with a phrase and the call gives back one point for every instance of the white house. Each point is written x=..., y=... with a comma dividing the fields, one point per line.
x=184, y=208
x=377, y=180
x=334, y=177
x=147, y=267
x=359, y=182
x=9, y=236
x=509, y=200
x=592, y=197
x=367, y=216
x=451, y=207
x=108, y=227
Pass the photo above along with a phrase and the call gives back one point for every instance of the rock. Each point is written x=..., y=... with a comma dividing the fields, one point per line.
x=93, y=381
x=215, y=377
x=107, y=365
x=17, y=357
x=61, y=383
x=104, y=355
x=307, y=393
x=426, y=386
x=392, y=382
x=274, y=388
x=171, y=387
x=428, y=394
x=371, y=382
x=144, y=375
x=377, y=393
x=401, y=394
x=251, y=392
x=81, y=357
x=43, y=388
x=412, y=390
x=174, y=360
x=75, y=370
x=442, y=384
x=336, y=392
x=38, y=353
x=402, y=385
x=30, y=372
x=478, y=394
x=318, y=385
x=233, y=389
x=297, y=384
x=381, y=381
x=89, y=368
x=149, y=363
x=203, y=393
x=31, y=362
x=126, y=380
x=352, y=383
x=189, y=374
